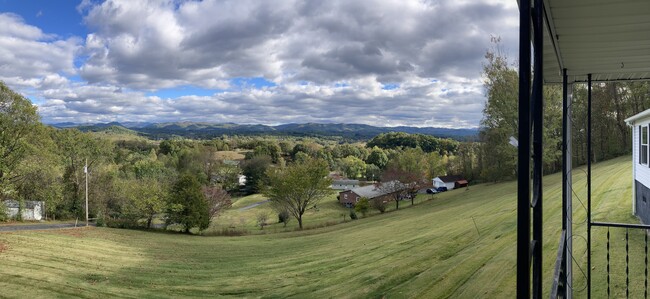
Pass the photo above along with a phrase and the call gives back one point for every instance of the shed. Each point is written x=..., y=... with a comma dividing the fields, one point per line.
x=449, y=181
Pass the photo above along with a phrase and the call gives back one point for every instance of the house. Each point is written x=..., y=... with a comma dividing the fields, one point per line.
x=349, y=198
x=450, y=181
x=344, y=184
x=33, y=210
x=640, y=165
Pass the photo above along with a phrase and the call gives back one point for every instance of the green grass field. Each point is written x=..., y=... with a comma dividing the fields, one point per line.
x=460, y=245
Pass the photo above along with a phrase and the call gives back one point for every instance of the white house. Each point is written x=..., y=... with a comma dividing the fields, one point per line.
x=640, y=165
x=449, y=181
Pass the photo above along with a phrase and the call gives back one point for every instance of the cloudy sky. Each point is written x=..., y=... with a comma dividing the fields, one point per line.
x=377, y=62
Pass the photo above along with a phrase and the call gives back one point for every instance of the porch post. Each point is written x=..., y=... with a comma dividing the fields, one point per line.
x=589, y=186
x=567, y=208
x=523, y=154
x=538, y=147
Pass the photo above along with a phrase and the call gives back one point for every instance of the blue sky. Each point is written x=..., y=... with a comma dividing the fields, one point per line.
x=251, y=61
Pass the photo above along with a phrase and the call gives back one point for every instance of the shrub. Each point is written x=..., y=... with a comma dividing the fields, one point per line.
x=284, y=217
x=379, y=204
x=261, y=220
x=100, y=222
x=3, y=212
x=362, y=206
x=353, y=215
x=122, y=223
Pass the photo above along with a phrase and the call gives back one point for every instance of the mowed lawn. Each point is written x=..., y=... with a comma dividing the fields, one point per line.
x=460, y=245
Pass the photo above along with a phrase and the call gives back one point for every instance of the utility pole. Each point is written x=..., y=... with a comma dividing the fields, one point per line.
x=86, y=172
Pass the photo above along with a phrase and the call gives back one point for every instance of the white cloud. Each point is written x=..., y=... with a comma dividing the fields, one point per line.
x=329, y=59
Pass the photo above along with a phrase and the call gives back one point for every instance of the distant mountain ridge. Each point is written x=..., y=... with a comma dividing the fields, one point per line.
x=210, y=130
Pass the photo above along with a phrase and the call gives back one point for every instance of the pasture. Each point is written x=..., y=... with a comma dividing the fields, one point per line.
x=461, y=244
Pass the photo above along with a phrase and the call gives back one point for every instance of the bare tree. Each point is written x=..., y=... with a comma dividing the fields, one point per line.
x=379, y=203
x=217, y=199
x=400, y=184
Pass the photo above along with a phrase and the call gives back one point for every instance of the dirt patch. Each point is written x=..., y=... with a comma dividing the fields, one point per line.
x=3, y=247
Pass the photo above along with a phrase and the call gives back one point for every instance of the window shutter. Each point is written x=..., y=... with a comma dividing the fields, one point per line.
x=640, y=141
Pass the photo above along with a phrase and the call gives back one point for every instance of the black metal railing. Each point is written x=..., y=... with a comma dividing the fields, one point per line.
x=609, y=255
x=559, y=287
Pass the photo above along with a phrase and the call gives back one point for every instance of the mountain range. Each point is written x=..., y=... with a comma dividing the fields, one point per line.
x=211, y=130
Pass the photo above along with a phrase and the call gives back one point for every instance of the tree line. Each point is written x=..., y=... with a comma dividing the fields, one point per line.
x=184, y=183
x=612, y=102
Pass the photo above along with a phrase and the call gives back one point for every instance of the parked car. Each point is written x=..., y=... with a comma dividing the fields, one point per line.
x=432, y=191
x=441, y=189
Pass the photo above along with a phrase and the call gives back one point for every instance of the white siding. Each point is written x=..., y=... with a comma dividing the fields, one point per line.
x=641, y=172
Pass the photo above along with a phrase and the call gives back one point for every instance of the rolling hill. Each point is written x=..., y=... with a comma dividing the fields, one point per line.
x=460, y=245
x=210, y=130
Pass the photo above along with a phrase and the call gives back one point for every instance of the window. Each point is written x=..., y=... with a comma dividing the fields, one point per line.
x=644, y=145
x=345, y=196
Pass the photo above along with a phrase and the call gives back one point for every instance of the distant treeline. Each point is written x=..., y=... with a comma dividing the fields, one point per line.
x=340, y=132
x=426, y=143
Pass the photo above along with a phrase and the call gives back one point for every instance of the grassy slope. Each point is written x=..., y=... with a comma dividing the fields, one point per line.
x=432, y=250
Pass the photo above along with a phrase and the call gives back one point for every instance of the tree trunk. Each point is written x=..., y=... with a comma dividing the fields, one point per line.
x=396, y=203
x=300, y=221
x=149, y=220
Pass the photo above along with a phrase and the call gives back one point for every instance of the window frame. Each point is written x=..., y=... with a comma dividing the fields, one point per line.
x=643, y=148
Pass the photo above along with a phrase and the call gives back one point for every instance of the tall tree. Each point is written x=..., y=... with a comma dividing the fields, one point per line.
x=18, y=119
x=187, y=205
x=298, y=186
x=75, y=148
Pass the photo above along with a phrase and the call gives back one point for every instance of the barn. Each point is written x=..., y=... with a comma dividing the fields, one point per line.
x=640, y=165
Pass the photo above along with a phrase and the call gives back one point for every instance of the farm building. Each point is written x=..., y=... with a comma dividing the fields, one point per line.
x=350, y=197
x=641, y=167
x=344, y=184
x=33, y=210
x=450, y=181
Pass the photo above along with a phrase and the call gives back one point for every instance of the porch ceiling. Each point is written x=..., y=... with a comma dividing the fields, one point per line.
x=609, y=39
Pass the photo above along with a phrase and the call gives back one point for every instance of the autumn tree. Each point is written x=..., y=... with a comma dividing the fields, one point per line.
x=298, y=187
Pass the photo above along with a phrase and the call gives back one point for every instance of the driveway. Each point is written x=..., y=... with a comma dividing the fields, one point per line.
x=253, y=205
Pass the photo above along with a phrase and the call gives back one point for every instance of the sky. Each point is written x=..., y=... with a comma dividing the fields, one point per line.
x=375, y=62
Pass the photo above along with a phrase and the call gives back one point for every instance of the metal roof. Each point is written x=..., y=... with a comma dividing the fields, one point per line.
x=609, y=39
x=372, y=191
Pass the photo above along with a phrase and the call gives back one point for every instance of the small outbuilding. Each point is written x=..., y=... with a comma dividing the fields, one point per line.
x=450, y=181
x=33, y=210
x=640, y=165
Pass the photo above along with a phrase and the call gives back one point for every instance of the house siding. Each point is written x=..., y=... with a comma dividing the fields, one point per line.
x=641, y=171
x=642, y=202
x=641, y=175
x=348, y=198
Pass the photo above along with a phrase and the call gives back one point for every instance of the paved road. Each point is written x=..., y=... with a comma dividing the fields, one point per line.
x=253, y=205
x=11, y=228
